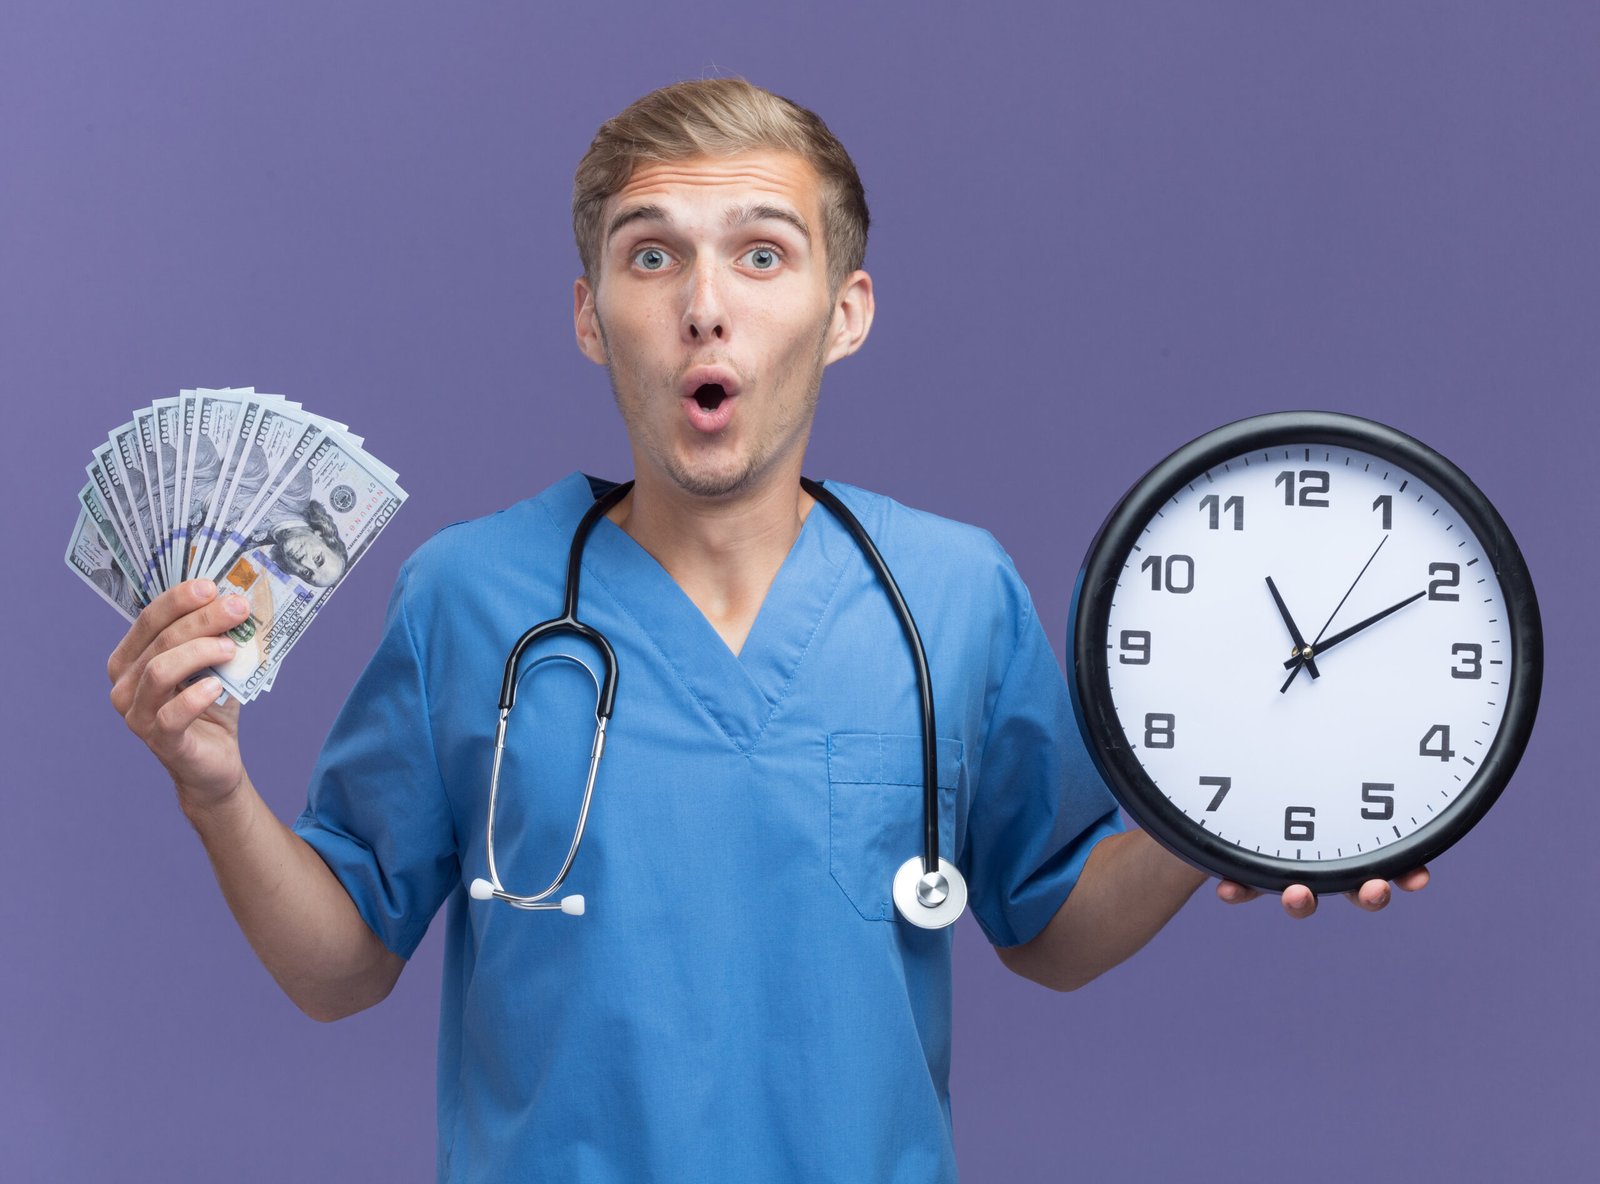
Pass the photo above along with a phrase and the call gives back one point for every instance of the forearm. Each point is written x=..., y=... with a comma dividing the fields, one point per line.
x=1129, y=888
x=295, y=913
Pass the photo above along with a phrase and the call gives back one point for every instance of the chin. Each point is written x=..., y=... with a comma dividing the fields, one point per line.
x=712, y=480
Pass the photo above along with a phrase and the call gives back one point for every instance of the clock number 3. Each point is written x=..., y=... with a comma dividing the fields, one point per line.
x=1470, y=655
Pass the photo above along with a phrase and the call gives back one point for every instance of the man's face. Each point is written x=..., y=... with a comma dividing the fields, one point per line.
x=712, y=312
x=303, y=552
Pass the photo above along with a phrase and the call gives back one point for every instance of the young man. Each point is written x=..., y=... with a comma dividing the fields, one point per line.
x=740, y=982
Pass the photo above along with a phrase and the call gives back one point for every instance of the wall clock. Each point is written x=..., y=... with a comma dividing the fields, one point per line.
x=1306, y=649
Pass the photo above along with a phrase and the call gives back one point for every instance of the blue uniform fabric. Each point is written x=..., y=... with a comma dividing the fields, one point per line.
x=740, y=1002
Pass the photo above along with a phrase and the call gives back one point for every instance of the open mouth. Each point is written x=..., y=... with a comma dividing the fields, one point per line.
x=710, y=395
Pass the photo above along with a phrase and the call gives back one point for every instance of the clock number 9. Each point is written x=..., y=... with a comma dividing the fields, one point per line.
x=1137, y=643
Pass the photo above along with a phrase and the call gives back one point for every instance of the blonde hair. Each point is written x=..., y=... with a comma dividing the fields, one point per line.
x=720, y=117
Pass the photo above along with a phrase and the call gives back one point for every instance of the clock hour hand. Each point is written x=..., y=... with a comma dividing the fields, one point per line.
x=1344, y=635
x=1302, y=650
x=1293, y=664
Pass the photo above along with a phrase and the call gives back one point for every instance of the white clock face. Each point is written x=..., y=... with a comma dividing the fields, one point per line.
x=1404, y=708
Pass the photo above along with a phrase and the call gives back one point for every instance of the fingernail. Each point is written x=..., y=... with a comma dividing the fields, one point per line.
x=225, y=646
x=236, y=606
x=204, y=590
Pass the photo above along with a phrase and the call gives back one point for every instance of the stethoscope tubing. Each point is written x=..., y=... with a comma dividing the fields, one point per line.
x=568, y=621
x=597, y=749
x=908, y=625
x=605, y=702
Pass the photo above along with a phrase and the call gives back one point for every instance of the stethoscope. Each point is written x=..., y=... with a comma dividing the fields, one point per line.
x=928, y=890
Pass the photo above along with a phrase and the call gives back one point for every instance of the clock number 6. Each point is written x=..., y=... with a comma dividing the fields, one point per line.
x=1299, y=823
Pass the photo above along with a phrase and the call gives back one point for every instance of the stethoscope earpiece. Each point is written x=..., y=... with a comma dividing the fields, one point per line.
x=481, y=889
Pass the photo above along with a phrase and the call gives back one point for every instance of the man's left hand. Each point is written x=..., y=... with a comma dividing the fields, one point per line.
x=1299, y=901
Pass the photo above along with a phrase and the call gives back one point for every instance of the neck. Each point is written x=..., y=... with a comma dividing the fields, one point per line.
x=723, y=552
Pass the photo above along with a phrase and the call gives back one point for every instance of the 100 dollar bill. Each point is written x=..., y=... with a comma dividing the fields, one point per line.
x=334, y=502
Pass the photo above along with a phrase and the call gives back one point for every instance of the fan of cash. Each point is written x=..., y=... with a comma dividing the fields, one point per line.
x=247, y=489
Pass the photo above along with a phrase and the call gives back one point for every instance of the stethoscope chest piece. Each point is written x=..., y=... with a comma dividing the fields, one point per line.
x=929, y=901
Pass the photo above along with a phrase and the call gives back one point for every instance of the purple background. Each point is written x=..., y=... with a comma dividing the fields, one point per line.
x=1100, y=230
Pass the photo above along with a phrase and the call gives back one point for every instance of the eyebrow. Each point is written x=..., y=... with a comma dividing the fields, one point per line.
x=744, y=215
x=736, y=217
x=645, y=213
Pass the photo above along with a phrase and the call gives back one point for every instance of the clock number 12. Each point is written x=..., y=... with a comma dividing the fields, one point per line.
x=1313, y=484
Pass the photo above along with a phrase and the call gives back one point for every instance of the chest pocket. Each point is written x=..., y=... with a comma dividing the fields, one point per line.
x=875, y=812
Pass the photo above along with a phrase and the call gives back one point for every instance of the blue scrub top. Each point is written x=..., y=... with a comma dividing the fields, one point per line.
x=740, y=1001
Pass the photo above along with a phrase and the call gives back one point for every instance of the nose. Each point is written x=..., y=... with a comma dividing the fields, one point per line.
x=705, y=313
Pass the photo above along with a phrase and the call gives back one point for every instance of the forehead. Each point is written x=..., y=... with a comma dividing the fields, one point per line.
x=719, y=183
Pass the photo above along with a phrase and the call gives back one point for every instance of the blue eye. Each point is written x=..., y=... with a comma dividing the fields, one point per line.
x=763, y=258
x=651, y=259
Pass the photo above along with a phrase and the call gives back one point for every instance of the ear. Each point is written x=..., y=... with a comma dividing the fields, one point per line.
x=586, y=322
x=852, y=316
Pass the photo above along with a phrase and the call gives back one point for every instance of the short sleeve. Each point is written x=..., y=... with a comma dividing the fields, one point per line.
x=1039, y=805
x=377, y=812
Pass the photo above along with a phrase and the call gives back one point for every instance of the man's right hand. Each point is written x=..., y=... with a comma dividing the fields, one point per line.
x=179, y=634
x=294, y=910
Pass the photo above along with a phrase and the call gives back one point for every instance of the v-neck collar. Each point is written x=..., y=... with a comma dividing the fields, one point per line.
x=743, y=692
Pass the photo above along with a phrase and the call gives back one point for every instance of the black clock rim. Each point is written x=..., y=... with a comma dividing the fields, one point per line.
x=1090, y=684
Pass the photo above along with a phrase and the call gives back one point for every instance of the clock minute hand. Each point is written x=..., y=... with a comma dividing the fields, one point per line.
x=1302, y=650
x=1346, y=634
